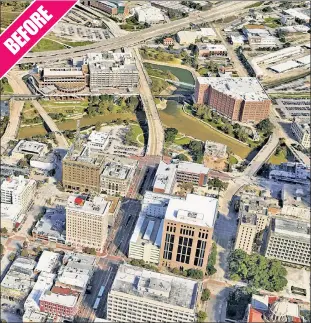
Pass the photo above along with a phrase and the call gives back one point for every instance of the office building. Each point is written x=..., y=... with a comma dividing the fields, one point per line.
x=302, y=133
x=109, y=70
x=18, y=191
x=44, y=283
x=256, y=208
x=259, y=36
x=64, y=79
x=206, y=50
x=98, y=141
x=48, y=262
x=117, y=175
x=52, y=226
x=19, y=280
x=60, y=302
x=296, y=201
x=238, y=99
x=289, y=241
x=302, y=14
x=140, y=295
x=187, y=232
x=82, y=169
x=290, y=172
x=113, y=8
x=46, y=162
x=168, y=175
x=76, y=272
x=25, y=147
x=146, y=239
x=246, y=233
x=11, y=216
x=147, y=14
x=87, y=222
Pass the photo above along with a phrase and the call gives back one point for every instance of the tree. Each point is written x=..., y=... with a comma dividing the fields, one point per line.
x=1, y=248
x=12, y=256
x=4, y=230
x=170, y=134
x=257, y=271
x=24, y=253
x=195, y=273
x=133, y=103
x=206, y=295
x=265, y=126
x=196, y=149
x=182, y=157
x=201, y=316
x=212, y=260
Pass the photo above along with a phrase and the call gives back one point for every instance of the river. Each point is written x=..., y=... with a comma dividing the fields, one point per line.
x=174, y=117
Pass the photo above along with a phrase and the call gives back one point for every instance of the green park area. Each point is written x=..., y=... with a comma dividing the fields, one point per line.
x=29, y=115
x=131, y=24
x=159, y=54
x=272, y=22
x=47, y=45
x=10, y=10
x=5, y=87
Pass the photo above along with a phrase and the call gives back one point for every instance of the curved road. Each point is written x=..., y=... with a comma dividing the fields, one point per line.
x=222, y=10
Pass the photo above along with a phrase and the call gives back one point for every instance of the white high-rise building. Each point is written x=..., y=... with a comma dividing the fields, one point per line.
x=139, y=295
x=18, y=191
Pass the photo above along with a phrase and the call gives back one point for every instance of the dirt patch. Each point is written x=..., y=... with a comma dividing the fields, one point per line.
x=215, y=163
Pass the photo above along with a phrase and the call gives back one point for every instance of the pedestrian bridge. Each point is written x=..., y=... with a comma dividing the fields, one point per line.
x=181, y=84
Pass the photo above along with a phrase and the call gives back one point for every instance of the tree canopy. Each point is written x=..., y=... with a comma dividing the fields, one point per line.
x=265, y=125
x=170, y=134
x=258, y=271
x=196, y=150
x=206, y=295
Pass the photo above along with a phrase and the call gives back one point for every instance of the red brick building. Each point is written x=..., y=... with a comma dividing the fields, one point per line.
x=168, y=41
x=239, y=98
x=60, y=302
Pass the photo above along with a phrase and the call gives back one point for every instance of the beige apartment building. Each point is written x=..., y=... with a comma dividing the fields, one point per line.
x=87, y=222
x=187, y=232
x=139, y=295
x=82, y=169
x=246, y=233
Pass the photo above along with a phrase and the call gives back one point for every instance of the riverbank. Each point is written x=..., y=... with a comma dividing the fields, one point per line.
x=174, y=117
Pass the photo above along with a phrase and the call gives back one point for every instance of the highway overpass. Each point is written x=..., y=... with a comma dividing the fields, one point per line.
x=221, y=10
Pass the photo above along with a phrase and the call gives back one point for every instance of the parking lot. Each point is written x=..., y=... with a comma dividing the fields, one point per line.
x=80, y=33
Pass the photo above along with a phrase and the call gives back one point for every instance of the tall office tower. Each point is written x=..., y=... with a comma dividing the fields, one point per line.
x=187, y=232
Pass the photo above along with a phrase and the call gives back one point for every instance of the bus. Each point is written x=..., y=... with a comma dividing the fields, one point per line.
x=96, y=303
x=101, y=291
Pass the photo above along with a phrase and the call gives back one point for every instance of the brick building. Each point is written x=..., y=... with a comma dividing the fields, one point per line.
x=239, y=98
x=187, y=232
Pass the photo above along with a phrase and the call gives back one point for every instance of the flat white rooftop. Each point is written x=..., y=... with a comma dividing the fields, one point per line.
x=194, y=168
x=62, y=72
x=10, y=211
x=295, y=229
x=195, y=210
x=30, y=147
x=64, y=300
x=213, y=48
x=158, y=287
x=282, y=67
x=245, y=88
x=16, y=184
x=47, y=261
x=304, y=60
x=97, y=206
x=98, y=137
x=164, y=177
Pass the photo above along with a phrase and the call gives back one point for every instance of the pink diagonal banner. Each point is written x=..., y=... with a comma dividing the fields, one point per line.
x=18, y=39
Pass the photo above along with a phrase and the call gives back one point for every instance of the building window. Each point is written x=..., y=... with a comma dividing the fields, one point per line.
x=168, y=246
x=184, y=250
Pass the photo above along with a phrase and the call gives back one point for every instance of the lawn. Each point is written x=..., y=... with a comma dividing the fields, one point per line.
x=138, y=133
x=5, y=86
x=256, y=4
x=272, y=22
x=63, y=104
x=182, y=141
x=46, y=45
x=232, y=160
